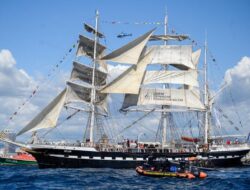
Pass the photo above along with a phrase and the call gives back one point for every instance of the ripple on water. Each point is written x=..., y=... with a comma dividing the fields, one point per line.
x=21, y=177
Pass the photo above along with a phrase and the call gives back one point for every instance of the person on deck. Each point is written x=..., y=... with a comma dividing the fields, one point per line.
x=34, y=138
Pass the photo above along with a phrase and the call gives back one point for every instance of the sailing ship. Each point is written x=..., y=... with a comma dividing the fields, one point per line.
x=172, y=89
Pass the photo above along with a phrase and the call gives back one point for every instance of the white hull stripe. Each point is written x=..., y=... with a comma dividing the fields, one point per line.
x=70, y=156
x=129, y=159
x=139, y=159
x=96, y=158
x=132, y=159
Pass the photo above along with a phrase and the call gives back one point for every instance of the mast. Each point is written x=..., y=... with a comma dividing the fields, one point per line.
x=166, y=25
x=206, y=127
x=93, y=92
x=164, y=115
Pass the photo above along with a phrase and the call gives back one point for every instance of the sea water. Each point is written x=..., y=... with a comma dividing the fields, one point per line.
x=30, y=177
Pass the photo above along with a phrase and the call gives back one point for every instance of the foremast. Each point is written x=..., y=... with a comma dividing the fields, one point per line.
x=83, y=87
x=206, y=99
x=93, y=92
x=165, y=120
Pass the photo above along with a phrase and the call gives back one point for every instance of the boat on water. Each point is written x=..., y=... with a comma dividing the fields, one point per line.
x=11, y=155
x=174, y=88
x=181, y=169
x=20, y=158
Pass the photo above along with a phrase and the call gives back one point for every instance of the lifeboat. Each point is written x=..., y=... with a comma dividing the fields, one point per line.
x=190, y=139
x=21, y=158
x=159, y=173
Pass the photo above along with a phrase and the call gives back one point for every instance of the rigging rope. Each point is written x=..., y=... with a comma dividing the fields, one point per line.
x=139, y=119
x=59, y=124
x=227, y=118
x=35, y=90
x=135, y=23
x=234, y=105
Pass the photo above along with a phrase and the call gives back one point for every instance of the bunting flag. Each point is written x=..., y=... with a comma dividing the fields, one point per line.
x=35, y=90
x=135, y=23
x=227, y=118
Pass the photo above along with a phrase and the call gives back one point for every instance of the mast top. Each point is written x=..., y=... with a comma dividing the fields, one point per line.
x=166, y=24
x=97, y=12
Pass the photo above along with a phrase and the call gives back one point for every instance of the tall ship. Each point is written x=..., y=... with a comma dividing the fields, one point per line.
x=162, y=78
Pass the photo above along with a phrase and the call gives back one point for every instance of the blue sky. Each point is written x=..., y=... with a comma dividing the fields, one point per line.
x=39, y=33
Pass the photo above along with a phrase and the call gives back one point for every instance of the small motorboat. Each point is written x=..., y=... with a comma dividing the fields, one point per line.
x=157, y=173
x=180, y=170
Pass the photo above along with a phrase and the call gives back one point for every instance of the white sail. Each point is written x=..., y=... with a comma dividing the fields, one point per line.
x=48, y=116
x=179, y=56
x=171, y=97
x=195, y=60
x=84, y=73
x=130, y=80
x=131, y=52
x=189, y=99
x=196, y=57
x=189, y=77
x=86, y=47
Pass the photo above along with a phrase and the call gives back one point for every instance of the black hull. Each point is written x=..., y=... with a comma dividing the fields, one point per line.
x=59, y=158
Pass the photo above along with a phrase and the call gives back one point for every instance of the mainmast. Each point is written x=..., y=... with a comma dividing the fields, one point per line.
x=164, y=116
x=93, y=92
x=206, y=102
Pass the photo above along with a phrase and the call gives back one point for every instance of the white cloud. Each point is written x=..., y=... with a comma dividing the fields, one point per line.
x=235, y=98
x=115, y=71
x=6, y=59
x=16, y=85
x=13, y=82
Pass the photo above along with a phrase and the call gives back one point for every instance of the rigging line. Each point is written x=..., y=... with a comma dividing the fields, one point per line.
x=135, y=23
x=60, y=134
x=186, y=124
x=226, y=117
x=234, y=105
x=107, y=128
x=139, y=119
x=194, y=42
x=191, y=131
x=150, y=130
x=35, y=90
x=59, y=124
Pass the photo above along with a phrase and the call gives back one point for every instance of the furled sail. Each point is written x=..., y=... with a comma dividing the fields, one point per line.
x=86, y=47
x=78, y=93
x=92, y=30
x=168, y=37
x=179, y=56
x=171, y=97
x=130, y=80
x=130, y=53
x=172, y=77
x=82, y=93
x=84, y=73
x=48, y=116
